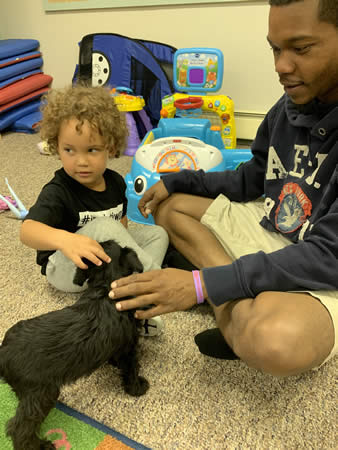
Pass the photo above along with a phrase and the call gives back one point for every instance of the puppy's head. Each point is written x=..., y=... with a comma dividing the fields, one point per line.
x=124, y=262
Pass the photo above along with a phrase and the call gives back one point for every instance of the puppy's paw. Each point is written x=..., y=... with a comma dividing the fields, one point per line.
x=139, y=388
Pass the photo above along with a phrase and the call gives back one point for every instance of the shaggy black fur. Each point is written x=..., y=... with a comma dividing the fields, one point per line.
x=40, y=355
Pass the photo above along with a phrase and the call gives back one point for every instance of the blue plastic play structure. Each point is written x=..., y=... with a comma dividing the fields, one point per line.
x=185, y=141
x=175, y=145
x=110, y=59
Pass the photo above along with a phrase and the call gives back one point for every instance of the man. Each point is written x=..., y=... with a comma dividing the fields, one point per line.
x=265, y=236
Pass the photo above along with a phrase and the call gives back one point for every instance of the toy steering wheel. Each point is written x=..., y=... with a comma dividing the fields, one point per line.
x=189, y=103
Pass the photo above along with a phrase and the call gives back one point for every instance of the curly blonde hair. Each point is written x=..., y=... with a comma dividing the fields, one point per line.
x=94, y=104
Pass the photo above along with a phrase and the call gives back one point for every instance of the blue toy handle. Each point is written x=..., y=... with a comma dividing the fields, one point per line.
x=16, y=198
x=19, y=212
x=122, y=89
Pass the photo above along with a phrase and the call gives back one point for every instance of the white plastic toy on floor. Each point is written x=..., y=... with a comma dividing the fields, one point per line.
x=20, y=211
x=172, y=154
x=177, y=144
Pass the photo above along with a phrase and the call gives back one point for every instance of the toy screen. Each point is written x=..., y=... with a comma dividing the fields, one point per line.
x=198, y=71
x=196, y=76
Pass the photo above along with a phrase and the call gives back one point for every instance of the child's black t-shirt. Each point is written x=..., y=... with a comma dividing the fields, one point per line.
x=65, y=204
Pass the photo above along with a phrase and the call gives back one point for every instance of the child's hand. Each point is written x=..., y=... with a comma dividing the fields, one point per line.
x=76, y=246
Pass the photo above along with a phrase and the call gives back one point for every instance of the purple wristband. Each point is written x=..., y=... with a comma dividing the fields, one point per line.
x=198, y=286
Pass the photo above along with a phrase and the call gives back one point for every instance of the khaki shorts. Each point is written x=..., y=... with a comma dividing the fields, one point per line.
x=237, y=228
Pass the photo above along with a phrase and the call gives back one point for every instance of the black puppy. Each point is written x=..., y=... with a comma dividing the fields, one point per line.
x=40, y=355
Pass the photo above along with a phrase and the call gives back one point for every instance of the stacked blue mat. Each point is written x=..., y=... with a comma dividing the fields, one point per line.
x=22, y=83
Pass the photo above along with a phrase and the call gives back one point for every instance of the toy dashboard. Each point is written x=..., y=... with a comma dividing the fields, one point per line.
x=176, y=145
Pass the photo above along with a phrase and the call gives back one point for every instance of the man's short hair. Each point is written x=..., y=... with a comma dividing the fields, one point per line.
x=327, y=9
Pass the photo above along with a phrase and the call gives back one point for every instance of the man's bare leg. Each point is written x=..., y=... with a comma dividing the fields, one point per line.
x=277, y=332
x=180, y=215
x=280, y=333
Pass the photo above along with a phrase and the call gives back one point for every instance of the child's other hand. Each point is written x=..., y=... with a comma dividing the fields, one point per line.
x=76, y=246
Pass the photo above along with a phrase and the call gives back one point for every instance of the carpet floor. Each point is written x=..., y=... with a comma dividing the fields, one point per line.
x=194, y=402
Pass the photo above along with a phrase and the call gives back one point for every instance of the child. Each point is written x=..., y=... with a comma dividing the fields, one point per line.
x=85, y=203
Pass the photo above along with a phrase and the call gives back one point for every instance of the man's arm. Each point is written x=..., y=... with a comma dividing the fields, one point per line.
x=310, y=264
x=241, y=185
x=244, y=184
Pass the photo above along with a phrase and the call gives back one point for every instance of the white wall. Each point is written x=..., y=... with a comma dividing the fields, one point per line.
x=238, y=29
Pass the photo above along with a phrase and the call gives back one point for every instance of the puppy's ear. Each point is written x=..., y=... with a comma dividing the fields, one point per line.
x=129, y=259
x=81, y=275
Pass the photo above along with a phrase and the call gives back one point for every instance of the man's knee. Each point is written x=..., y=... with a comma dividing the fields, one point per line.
x=166, y=208
x=268, y=342
x=268, y=345
x=179, y=205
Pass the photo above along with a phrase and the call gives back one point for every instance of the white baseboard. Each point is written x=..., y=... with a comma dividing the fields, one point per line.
x=247, y=124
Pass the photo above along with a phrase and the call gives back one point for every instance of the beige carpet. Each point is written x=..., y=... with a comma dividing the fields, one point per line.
x=194, y=402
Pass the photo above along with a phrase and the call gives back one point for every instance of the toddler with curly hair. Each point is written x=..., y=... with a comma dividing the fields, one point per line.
x=85, y=202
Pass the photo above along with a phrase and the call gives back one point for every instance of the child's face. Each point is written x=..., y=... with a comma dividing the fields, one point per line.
x=83, y=155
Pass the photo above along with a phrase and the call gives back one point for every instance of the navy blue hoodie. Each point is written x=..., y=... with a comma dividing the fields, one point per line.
x=295, y=165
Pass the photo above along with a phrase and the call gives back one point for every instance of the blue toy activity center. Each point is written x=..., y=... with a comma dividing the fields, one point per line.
x=198, y=75
x=175, y=145
x=183, y=141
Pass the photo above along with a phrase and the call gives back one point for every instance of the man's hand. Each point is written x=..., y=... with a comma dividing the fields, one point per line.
x=167, y=290
x=152, y=198
x=77, y=246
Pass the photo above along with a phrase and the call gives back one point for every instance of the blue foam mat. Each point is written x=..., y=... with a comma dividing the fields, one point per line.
x=21, y=67
x=9, y=47
x=26, y=123
x=19, y=58
x=8, y=118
